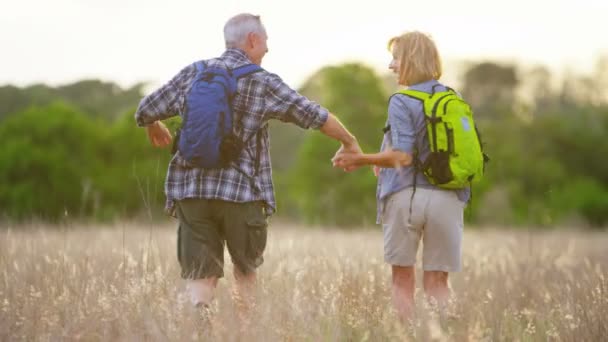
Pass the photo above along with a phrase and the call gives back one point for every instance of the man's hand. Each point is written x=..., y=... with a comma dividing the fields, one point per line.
x=347, y=161
x=158, y=134
x=350, y=148
x=353, y=147
x=376, y=170
x=347, y=157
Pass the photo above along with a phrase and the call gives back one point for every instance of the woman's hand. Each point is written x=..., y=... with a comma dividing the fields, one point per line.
x=348, y=161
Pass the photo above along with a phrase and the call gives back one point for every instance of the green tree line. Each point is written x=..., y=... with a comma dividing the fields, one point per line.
x=74, y=151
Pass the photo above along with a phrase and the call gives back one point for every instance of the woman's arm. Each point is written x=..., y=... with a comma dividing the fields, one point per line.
x=386, y=159
x=402, y=138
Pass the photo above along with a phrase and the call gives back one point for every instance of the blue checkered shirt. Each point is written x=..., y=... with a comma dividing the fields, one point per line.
x=260, y=97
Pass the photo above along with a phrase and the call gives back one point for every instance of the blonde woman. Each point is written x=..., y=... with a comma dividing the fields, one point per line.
x=409, y=207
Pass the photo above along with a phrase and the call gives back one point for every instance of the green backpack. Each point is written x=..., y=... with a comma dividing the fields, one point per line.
x=456, y=158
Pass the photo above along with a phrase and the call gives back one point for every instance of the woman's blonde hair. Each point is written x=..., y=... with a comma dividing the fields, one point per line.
x=418, y=57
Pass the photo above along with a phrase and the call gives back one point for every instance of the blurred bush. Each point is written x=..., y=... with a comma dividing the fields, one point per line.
x=75, y=150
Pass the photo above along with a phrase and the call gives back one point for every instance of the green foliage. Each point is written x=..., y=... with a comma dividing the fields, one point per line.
x=284, y=141
x=60, y=162
x=76, y=150
x=48, y=157
x=490, y=89
x=552, y=166
x=95, y=98
x=135, y=171
x=321, y=193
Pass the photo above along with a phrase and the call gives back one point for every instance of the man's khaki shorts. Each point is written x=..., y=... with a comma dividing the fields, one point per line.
x=437, y=218
x=206, y=226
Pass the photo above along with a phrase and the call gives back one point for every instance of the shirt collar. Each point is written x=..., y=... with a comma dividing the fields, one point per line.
x=423, y=85
x=237, y=54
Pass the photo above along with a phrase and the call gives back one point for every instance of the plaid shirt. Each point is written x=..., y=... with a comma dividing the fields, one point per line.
x=260, y=97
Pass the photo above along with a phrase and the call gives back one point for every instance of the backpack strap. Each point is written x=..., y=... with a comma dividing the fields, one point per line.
x=246, y=70
x=418, y=165
x=238, y=73
x=415, y=94
x=452, y=90
x=200, y=66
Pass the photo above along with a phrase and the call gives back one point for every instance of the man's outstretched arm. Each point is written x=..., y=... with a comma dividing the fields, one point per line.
x=333, y=128
x=288, y=105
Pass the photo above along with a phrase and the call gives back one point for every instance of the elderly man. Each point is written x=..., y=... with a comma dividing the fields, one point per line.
x=229, y=206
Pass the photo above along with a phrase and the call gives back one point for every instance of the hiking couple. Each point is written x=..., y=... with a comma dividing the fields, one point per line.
x=229, y=205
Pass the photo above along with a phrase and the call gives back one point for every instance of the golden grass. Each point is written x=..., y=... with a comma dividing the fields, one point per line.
x=121, y=283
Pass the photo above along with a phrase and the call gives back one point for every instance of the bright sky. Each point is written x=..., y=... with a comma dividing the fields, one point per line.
x=126, y=41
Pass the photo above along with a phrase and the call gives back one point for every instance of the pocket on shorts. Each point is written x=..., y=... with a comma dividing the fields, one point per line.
x=257, y=231
x=386, y=207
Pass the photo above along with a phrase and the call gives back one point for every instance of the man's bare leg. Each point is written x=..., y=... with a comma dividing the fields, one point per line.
x=244, y=289
x=436, y=287
x=201, y=290
x=244, y=298
x=404, y=285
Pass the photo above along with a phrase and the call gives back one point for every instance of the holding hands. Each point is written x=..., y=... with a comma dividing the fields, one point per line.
x=347, y=158
x=350, y=158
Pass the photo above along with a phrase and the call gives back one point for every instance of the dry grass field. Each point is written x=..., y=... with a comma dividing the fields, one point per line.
x=121, y=283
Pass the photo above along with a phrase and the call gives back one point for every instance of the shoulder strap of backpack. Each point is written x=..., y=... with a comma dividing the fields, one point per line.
x=415, y=94
x=417, y=165
x=237, y=73
x=200, y=66
x=257, y=162
x=246, y=70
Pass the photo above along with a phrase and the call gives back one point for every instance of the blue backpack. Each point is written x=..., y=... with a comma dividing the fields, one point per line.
x=206, y=138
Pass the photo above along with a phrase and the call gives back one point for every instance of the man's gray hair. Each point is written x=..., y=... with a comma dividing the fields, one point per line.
x=238, y=27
